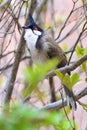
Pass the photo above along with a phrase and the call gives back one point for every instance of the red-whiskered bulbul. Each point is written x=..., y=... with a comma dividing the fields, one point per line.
x=42, y=47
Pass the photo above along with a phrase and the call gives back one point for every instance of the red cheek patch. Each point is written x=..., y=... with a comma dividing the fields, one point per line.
x=35, y=28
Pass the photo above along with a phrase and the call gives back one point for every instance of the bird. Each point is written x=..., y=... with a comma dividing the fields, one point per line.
x=43, y=47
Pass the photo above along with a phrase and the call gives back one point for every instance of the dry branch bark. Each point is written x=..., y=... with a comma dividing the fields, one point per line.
x=21, y=46
x=60, y=104
x=38, y=8
x=70, y=68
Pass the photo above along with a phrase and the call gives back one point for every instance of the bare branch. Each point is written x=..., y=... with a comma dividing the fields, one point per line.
x=9, y=65
x=66, y=21
x=60, y=104
x=80, y=20
x=3, y=55
x=38, y=8
x=78, y=39
x=72, y=30
x=72, y=67
x=11, y=81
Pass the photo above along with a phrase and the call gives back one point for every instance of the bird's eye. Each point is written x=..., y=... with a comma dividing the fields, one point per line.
x=36, y=28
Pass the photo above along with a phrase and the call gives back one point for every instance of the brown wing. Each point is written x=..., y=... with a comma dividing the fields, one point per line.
x=54, y=50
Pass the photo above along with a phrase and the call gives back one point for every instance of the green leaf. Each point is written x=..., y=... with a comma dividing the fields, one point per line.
x=84, y=1
x=65, y=47
x=23, y=118
x=84, y=67
x=1, y=81
x=60, y=19
x=1, y=1
x=79, y=51
x=66, y=81
x=85, y=51
x=66, y=125
x=74, y=79
x=59, y=74
x=34, y=75
x=84, y=106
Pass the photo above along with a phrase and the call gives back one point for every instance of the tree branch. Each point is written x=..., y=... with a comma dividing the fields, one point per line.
x=70, y=68
x=38, y=9
x=78, y=39
x=60, y=104
x=21, y=46
x=66, y=21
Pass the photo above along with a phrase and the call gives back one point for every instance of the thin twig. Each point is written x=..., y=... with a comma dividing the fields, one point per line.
x=38, y=8
x=72, y=30
x=11, y=81
x=66, y=21
x=78, y=39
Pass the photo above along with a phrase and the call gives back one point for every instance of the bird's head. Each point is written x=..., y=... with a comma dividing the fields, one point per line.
x=33, y=27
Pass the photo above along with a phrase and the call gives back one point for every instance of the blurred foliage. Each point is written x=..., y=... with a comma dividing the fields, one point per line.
x=81, y=52
x=68, y=80
x=84, y=1
x=1, y=81
x=1, y=1
x=84, y=106
x=22, y=118
x=33, y=119
x=65, y=47
x=60, y=19
x=36, y=74
x=26, y=4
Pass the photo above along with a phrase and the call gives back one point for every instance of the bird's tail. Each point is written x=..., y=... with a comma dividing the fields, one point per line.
x=70, y=99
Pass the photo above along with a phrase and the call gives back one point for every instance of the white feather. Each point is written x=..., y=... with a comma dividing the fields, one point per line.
x=31, y=39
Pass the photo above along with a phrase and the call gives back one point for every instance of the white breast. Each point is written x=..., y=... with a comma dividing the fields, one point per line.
x=31, y=39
